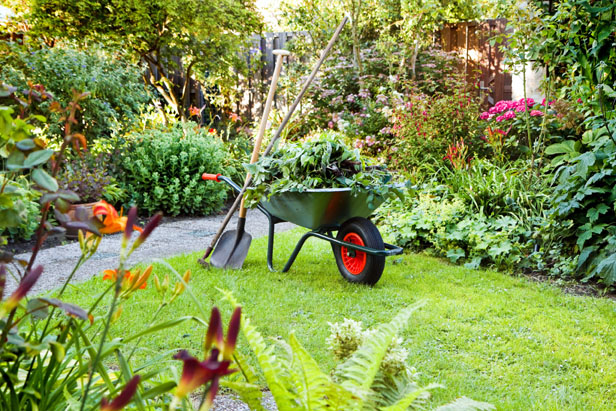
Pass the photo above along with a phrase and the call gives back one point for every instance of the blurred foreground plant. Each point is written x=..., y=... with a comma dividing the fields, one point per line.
x=53, y=354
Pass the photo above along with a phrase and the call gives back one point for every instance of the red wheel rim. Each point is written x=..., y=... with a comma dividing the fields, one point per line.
x=354, y=264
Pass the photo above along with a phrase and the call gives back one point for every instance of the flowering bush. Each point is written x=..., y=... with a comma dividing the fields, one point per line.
x=510, y=133
x=426, y=128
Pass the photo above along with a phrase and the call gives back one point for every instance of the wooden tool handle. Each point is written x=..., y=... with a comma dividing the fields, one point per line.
x=266, y=110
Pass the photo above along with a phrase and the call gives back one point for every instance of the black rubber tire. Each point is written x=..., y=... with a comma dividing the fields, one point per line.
x=371, y=237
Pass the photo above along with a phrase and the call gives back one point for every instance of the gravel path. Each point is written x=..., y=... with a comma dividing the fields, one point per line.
x=169, y=239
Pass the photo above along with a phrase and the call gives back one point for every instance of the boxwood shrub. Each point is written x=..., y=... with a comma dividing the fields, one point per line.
x=161, y=170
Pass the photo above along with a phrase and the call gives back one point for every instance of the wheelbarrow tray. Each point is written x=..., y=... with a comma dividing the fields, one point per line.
x=321, y=208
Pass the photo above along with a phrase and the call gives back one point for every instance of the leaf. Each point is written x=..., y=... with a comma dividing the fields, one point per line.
x=37, y=158
x=26, y=145
x=607, y=269
x=455, y=254
x=566, y=147
x=9, y=218
x=44, y=180
x=37, y=308
x=57, y=350
x=70, y=309
x=594, y=213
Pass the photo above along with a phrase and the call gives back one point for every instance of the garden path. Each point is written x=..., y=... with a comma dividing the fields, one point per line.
x=170, y=238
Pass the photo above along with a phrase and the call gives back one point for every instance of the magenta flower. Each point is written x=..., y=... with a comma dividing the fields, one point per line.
x=536, y=113
x=484, y=116
x=500, y=118
x=509, y=115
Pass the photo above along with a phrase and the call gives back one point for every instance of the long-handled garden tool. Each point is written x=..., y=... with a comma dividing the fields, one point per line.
x=270, y=146
x=233, y=246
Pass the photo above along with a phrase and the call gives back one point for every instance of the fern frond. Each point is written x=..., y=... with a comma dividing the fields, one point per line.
x=251, y=394
x=247, y=371
x=388, y=390
x=271, y=366
x=466, y=404
x=358, y=373
x=316, y=389
x=411, y=398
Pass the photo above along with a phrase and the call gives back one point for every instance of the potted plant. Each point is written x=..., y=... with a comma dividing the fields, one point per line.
x=89, y=178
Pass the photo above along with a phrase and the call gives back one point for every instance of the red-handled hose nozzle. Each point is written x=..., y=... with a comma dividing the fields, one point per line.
x=213, y=177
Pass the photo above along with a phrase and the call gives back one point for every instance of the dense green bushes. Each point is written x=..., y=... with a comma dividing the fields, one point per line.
x=486, y=214
x=161, y=170
x=117, y=93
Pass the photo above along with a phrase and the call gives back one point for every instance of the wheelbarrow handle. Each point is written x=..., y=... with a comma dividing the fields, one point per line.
x=212, y=177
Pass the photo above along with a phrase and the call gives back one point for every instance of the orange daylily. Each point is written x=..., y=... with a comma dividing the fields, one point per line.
x=112, y=221
x=131, y=280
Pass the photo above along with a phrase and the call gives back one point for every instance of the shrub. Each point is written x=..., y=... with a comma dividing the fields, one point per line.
x=25, y=204
x=485, y=214
x=161, y=170
x=426, y=125
x=117, y=93
x=88, y=177
x=583, y=200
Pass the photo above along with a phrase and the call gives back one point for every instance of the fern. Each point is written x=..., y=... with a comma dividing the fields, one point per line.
x=360, y=370
x=297, y=383
x=270, y=365
x=316, y=389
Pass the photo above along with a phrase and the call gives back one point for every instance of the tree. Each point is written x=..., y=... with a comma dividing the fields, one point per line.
x=198, y=38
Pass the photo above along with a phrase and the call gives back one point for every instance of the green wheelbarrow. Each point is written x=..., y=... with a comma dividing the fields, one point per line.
x=358, y=246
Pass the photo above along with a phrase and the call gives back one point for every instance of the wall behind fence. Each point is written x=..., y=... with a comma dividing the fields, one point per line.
x=482, y=61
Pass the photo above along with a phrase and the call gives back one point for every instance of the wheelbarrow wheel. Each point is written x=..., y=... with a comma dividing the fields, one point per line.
x=358, y=266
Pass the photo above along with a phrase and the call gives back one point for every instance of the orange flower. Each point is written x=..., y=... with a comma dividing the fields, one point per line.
x=112, y=221
x=131, y=281
x=194, y=111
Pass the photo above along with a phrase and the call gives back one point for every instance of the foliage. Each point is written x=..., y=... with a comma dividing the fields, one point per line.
x=161, y=170
x=488, y=326
x=296, y=381
x=583, y=200
x=483, y=215
x=87, y=176
x=206, y=37
x=117, y=96
x=24, y=203
x=321, y=163
x=426, y=126
x=576, y=45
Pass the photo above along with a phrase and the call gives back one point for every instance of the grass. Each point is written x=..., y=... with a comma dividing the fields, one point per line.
x=493, y=337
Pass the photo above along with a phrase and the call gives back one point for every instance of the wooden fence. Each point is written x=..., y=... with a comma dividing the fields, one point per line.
x=261, y=65
x=481, y=60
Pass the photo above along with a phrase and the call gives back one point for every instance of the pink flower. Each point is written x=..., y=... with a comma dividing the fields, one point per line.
x=500, y=118
x=579, y=100
x=485, y=115
x=330, y=124
x=358, y=144
x=509, y=115
x=536, y=113
x=370, y=140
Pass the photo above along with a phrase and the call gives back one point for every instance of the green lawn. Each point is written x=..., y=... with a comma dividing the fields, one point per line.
x=490, y=336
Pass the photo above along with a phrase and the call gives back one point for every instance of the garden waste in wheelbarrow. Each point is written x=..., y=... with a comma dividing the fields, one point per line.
x=358, y=246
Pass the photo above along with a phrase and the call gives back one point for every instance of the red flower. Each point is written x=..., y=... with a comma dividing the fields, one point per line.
x=196, y=373
x=123, y=399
